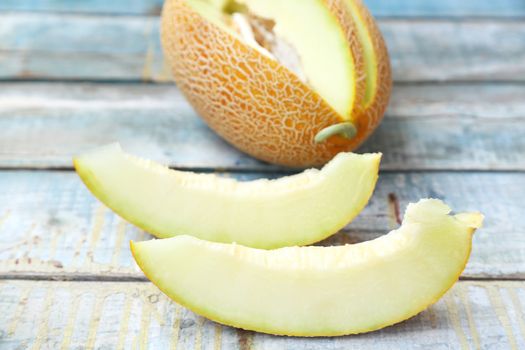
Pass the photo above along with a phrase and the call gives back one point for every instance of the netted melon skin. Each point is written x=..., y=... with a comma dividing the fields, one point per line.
x=253, y=102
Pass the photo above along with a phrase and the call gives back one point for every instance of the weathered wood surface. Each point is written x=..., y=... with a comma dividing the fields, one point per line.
x=380, y=8
x=52, y=226
x=429, y=126
x=110, y=315
x=80, y=47
x=116, y=7
x=439, y=140
x=446, y=8
x=72, y=46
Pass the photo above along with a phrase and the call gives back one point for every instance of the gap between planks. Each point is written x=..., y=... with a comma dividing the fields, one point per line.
x=75, y=277
x=142, y=82
x=270, y=170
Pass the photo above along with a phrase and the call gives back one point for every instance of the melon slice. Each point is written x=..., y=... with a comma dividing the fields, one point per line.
x=294, y=210
x=375, y=54
x=317, y=291
x=378, y=74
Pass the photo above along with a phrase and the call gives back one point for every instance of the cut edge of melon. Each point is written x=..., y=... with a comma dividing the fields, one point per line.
x=343, y=106
x=376, y=56
x=369, y=53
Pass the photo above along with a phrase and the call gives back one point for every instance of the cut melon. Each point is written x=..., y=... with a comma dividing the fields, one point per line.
x=270, y=75
x=376, y=65
x=294, y=210
x=317, y=291
x=328, y=70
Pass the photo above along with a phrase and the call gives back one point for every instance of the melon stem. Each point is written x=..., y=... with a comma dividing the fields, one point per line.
x=346, y=130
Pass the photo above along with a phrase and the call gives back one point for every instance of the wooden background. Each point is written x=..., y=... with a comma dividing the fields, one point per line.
x=77, y=74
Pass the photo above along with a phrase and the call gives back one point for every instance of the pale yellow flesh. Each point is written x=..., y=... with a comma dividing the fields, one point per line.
x=369, y=54
x=310, y=28
x=294, y=210
x=317, y=291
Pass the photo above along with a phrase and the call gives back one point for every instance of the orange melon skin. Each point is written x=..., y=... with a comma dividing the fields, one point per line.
x=251, y=101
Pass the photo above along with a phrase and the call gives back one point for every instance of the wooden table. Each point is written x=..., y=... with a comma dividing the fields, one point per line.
x=77, y=74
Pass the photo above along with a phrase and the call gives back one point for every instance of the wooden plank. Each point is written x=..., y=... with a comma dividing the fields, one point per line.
x=452, y=126
x=114, y=7
x=54, y=46
x=52, y=226
x=380, y=8
x=446, y=8
x=109, y=315
x=83, y=47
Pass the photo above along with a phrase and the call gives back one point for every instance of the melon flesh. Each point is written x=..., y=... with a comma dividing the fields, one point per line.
x=293, y=210
x=317, y=291
x=299, y=25
x=369, y=54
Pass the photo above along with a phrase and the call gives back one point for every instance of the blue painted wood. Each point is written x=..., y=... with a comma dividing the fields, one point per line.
x=380, y=8
x=460, y=127
x=135, y=7
x=51, y=218
x=55, y=46
x=136, y=315
x=447, y=8
x=80, y=47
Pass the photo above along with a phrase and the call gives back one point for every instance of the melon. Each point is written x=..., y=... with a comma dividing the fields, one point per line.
x=378, y=75
x=317, y=291
x=293, y=210
x=290, y=82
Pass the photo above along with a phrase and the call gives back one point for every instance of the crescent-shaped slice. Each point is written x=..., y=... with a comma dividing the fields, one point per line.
x=294, y=210
x=378, y=75
x=317, y=291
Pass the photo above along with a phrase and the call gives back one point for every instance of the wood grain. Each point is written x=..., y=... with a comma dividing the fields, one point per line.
x=75, y=46
x=380, y=8
x=109, y=315
x=114, y=7
x=429, y=126
x=79, y=47
x=52, y=227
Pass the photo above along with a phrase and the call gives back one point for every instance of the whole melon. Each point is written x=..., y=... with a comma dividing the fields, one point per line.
x=289, y=82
